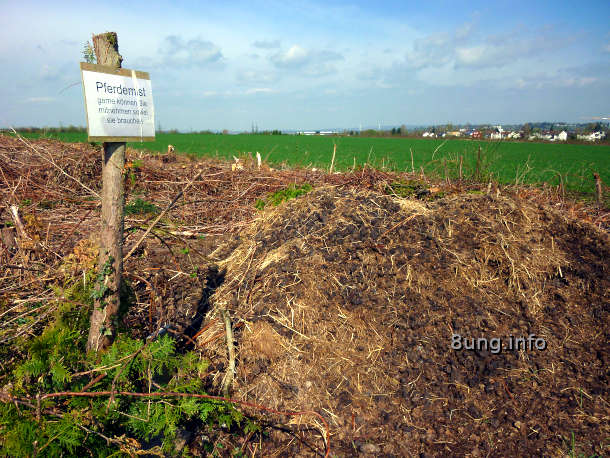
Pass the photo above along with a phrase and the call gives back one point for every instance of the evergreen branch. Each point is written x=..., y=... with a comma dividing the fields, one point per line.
x=7, y=398
x=130, y=358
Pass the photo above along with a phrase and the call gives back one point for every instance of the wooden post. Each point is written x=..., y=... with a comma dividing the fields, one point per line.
x=477, y=171
x=599, y=192
x=108, y=286
x=461, y=160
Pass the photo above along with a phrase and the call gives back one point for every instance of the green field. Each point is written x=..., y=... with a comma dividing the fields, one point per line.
x=507, y=162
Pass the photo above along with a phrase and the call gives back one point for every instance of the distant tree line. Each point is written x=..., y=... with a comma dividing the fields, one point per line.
x=265, y=132
x=51, y=130
x=527, y=128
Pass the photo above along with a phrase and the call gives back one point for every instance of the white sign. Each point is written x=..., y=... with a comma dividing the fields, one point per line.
x=119, y=104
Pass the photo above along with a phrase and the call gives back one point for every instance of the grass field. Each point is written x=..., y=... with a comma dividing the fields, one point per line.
x=508, y=162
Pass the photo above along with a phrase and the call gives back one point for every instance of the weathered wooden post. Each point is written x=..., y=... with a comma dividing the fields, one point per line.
x=599, y=190
x=119, y=107
x=105, y=311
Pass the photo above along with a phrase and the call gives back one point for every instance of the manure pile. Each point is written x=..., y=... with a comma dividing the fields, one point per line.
x=349, y=302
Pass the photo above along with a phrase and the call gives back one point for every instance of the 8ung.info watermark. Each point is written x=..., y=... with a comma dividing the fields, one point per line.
x=497, y=344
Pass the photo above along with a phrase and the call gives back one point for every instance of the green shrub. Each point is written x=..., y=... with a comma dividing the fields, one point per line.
x=140, y=206
x=410, y=188
x=283, y=195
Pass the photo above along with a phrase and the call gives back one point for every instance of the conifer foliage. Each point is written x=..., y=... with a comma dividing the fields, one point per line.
x=101, y=425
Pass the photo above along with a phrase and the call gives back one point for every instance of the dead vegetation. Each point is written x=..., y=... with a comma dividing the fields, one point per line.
x=343, y=301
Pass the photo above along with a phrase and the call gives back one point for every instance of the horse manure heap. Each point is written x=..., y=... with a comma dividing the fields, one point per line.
x=379, y=312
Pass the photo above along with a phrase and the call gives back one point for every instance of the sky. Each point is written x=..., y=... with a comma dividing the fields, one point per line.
x=313, y=65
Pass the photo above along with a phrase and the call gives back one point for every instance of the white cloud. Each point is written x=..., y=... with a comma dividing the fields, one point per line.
x=579, y=81
x=470, y=55
x=39, y=100
x=431, y=51
x=266, y=44
x=486, y=55
x=307, y=62
x=464, y=31
x=50, y=72
x=466, y=58
x=256, y=76
x=259, y=90
x=298, y=57
x=177, y=52
x=295, y=57
x=554, y=80
x=464, y=48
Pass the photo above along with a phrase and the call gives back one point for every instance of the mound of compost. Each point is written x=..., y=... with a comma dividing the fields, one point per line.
x=473, y=325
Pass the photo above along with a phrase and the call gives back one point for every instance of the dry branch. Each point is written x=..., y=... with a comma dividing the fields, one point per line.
x=230, y=374
x=14, y=210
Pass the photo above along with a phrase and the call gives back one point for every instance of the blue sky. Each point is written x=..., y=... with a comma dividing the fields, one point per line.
x=311, y=65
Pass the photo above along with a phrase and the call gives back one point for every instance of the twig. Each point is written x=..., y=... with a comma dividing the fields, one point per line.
x=161, y=215
x=10, y=266
x=400, y=223
x=412, y=164
x=437, y=148
x=202, y=330
x=14, y=210
x=228, y=379
x=94, y=381
x=182, y=334
x=332, y=162
x=38, y=407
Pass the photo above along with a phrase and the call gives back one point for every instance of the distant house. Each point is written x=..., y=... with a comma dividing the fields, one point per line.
x=429, y=134
x=562, y=136
x=455, y=133
x=318, y=132
x=475, y=134
x=541, y=136
x=592, y=137
x=513, y=135
x=497, y=133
